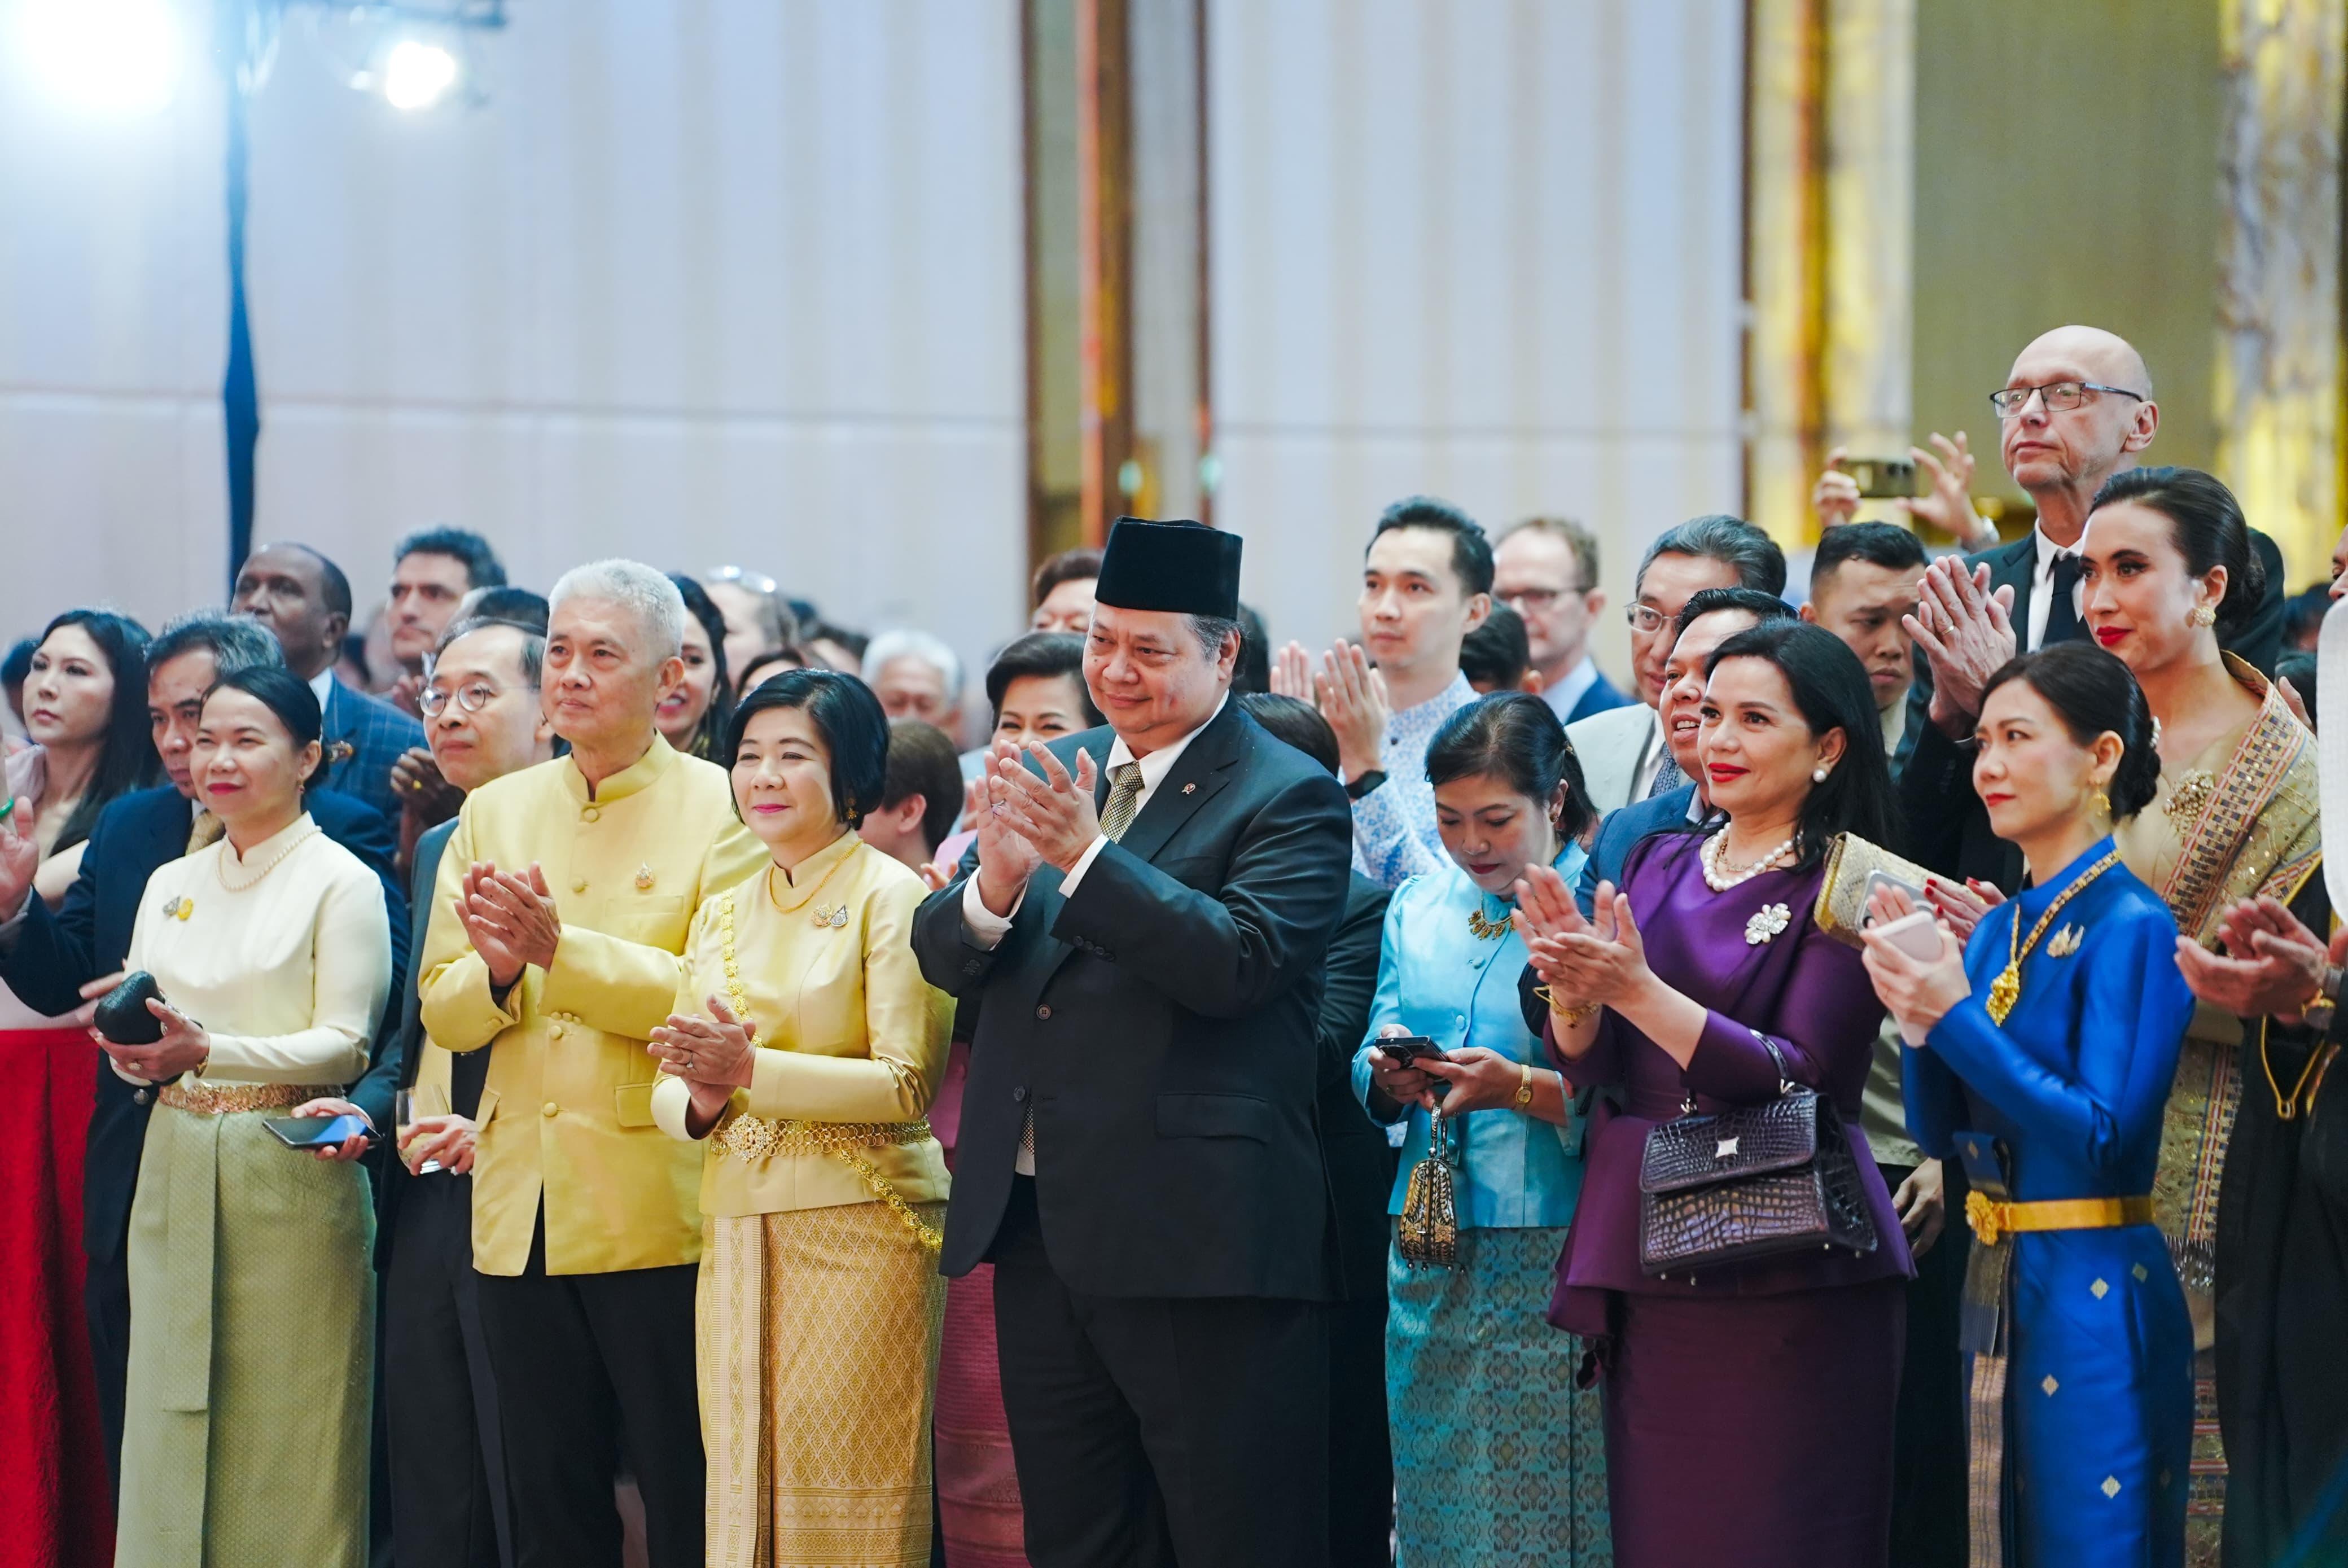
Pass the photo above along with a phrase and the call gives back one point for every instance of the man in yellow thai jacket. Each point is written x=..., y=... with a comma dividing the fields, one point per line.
x=561, y=904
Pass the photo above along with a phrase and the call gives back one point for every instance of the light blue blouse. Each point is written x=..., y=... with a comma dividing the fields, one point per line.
x=1438, y=978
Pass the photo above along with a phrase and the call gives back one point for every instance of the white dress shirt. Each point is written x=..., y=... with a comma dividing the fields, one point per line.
x=2042, y=588
x=988, y=929
x=322, y=685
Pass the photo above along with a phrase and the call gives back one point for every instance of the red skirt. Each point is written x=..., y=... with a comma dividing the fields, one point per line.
x=53, y=1479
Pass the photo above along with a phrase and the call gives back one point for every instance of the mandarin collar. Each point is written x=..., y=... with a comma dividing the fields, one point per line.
x=2036, y=899
x=269, y=846
x=641, y=774
x=811, y=872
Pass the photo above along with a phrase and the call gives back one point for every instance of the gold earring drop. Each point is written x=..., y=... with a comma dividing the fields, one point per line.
x=2102, y=802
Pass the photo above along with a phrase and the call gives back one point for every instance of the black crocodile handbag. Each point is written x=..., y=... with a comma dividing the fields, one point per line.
x=1756, y=1181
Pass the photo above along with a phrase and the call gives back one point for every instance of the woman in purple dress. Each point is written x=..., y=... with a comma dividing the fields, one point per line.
x=1748, y=1408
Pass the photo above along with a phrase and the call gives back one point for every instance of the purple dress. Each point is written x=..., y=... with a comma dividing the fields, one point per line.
x=1748, y=1413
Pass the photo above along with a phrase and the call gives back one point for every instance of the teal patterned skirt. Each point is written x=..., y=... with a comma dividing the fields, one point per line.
x=1499, y=1460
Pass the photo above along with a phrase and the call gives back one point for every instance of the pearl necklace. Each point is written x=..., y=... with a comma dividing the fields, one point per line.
x=1714, y=857
x=220, y=864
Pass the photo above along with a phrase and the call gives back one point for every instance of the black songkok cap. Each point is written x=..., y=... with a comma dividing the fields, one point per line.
x=1183, y=567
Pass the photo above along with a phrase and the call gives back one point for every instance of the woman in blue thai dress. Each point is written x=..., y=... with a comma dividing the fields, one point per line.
x=2043, y=1060
x=1497, y=1458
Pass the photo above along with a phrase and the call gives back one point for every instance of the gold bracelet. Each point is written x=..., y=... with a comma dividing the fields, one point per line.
x=1570, y=1015
x=1525, y=1086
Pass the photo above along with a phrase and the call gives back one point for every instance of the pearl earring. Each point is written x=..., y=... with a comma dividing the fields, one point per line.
x=2203, y=615
x=1817, y=775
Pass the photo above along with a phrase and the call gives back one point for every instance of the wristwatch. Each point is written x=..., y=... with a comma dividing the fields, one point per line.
x=1361, y=783
x=2317, y=1015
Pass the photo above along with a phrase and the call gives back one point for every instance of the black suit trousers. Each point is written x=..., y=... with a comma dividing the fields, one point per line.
x=447, y=1506
x=1155, y=1431
x=581, y=1362
x=105, y=1302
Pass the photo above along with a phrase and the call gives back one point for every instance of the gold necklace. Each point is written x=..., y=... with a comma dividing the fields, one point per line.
x=2006, y=989
x=220, y=864
x=833, y=919
x=1484, y=929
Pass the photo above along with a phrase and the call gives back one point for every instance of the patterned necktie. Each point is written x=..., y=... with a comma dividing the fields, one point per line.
x=1668, y=778
x=1124, y=796
x=206, y=833
x=2062, y=613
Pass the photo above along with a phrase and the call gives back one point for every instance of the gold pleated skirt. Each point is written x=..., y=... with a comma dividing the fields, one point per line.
x=818, y=1351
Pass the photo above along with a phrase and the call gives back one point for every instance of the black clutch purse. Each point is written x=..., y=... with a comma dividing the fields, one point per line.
x=121, y=1016
x=1754, y=1182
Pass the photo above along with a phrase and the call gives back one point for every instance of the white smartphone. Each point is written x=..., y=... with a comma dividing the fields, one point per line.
x=1879, y=880
x=1918, y=935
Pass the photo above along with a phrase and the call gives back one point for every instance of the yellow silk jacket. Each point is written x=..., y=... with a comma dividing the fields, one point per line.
x=566, y=1113
x=847, y=1031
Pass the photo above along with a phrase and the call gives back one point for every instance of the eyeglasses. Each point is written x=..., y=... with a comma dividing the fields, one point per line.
x=472, y=696
x=1535, y=601
x=2059, y=396
x=755, y=581
x=1645, y=618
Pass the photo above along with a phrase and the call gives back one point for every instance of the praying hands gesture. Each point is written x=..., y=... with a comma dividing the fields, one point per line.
x=510, y=921
x=1005, y=859
x=1967, y=634
x=714, y=1056
x=1584, y=962
x=2273, y=964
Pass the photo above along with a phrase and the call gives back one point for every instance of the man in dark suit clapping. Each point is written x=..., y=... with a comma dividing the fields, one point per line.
x=1143, y=922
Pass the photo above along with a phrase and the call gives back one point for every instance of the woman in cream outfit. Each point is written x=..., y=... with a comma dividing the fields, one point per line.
x=805, y=1051
x=251, y=1287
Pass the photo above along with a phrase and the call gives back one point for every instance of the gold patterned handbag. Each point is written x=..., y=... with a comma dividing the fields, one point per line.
x=1841, y=910
x=1427, y=1234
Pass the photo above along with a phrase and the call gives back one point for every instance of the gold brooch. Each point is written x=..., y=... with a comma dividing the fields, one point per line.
x=1766, y=922
x=645, y=877
x=832, y=919
x=179, y=908
x=2064, y=941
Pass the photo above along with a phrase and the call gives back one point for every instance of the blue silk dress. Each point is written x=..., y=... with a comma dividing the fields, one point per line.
x=2066, y=1098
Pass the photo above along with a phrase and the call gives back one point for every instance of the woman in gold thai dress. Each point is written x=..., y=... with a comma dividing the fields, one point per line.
x=805, y=1050
x=2166, y=566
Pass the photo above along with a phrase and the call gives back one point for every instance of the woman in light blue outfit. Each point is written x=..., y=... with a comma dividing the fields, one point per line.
x=1497, y=1458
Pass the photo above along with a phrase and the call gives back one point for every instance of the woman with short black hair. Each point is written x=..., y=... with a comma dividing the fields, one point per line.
x=1497, y=1458
x=804, y=1053
x=1706, y=984
x=252, y=1274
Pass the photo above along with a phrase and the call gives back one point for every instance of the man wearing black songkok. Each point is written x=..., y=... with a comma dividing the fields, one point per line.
x=1142, y=922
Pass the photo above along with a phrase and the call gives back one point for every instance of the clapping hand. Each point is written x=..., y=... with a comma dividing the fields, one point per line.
x=1005, y=859
x=714, y=1050
x=1291, y=673
x=422, y=792
x=1961, y=908
x=2273, y=964
x=1605, y=961
x=1053, y=813
x=20, y=857
x=1967, y=634
x=1353, y=698
x=510, y=920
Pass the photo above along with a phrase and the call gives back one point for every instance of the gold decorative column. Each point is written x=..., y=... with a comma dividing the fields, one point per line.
x=1829, y=228
x=2280, y=367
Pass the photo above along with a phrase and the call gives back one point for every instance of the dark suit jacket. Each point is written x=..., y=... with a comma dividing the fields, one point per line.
x=1601, y=695
x=1361, y=1162
x=1163, y=1023
x=52, y=956
x=377, y=734
x=1623, y=826
x=1948, y=830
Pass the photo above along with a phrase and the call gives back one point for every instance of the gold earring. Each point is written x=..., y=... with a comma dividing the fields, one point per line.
x=2203, y=615
x=2102, y=802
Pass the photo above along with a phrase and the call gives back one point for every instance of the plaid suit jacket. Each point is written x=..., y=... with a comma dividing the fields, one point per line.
x=364, y=737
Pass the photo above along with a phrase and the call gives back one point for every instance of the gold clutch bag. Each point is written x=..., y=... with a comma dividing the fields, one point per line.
x=1841, y=910
x=1427, y=1233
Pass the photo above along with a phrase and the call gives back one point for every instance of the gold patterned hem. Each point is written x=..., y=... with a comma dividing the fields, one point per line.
x=818, y=1342
x=231, y=1098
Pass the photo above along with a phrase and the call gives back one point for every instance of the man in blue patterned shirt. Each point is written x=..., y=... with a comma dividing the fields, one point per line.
x=1426, y=583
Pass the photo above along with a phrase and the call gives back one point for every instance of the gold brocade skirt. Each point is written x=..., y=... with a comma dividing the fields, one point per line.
x=817, y=1349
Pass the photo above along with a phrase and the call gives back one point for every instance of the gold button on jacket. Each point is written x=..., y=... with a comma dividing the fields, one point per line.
x=619, y=1193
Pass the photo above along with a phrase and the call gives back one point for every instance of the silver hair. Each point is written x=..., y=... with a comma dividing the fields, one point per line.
x=908, y=644
x=648, y=594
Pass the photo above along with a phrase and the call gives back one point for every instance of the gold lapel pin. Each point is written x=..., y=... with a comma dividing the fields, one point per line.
x=179, y=909
x=645, y=877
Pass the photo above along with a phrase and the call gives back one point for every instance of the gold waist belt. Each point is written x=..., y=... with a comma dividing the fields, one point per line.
x=228, y=1099
x=1993, y=1221
x=756, y=1138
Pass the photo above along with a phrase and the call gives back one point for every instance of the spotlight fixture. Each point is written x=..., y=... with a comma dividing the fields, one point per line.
x=416, y=75
x=413, y=56
x=103, y=56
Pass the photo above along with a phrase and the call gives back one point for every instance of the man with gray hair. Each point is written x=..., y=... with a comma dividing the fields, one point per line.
x=560, y=912
x=1623, y=751
x=916, y=676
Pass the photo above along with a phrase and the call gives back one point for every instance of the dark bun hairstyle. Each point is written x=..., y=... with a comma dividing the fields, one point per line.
x=848, y=717
x=1514, y=737
x=1831, y=689
x=282, y=693
x=2206, y=522
x=2094, y=694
